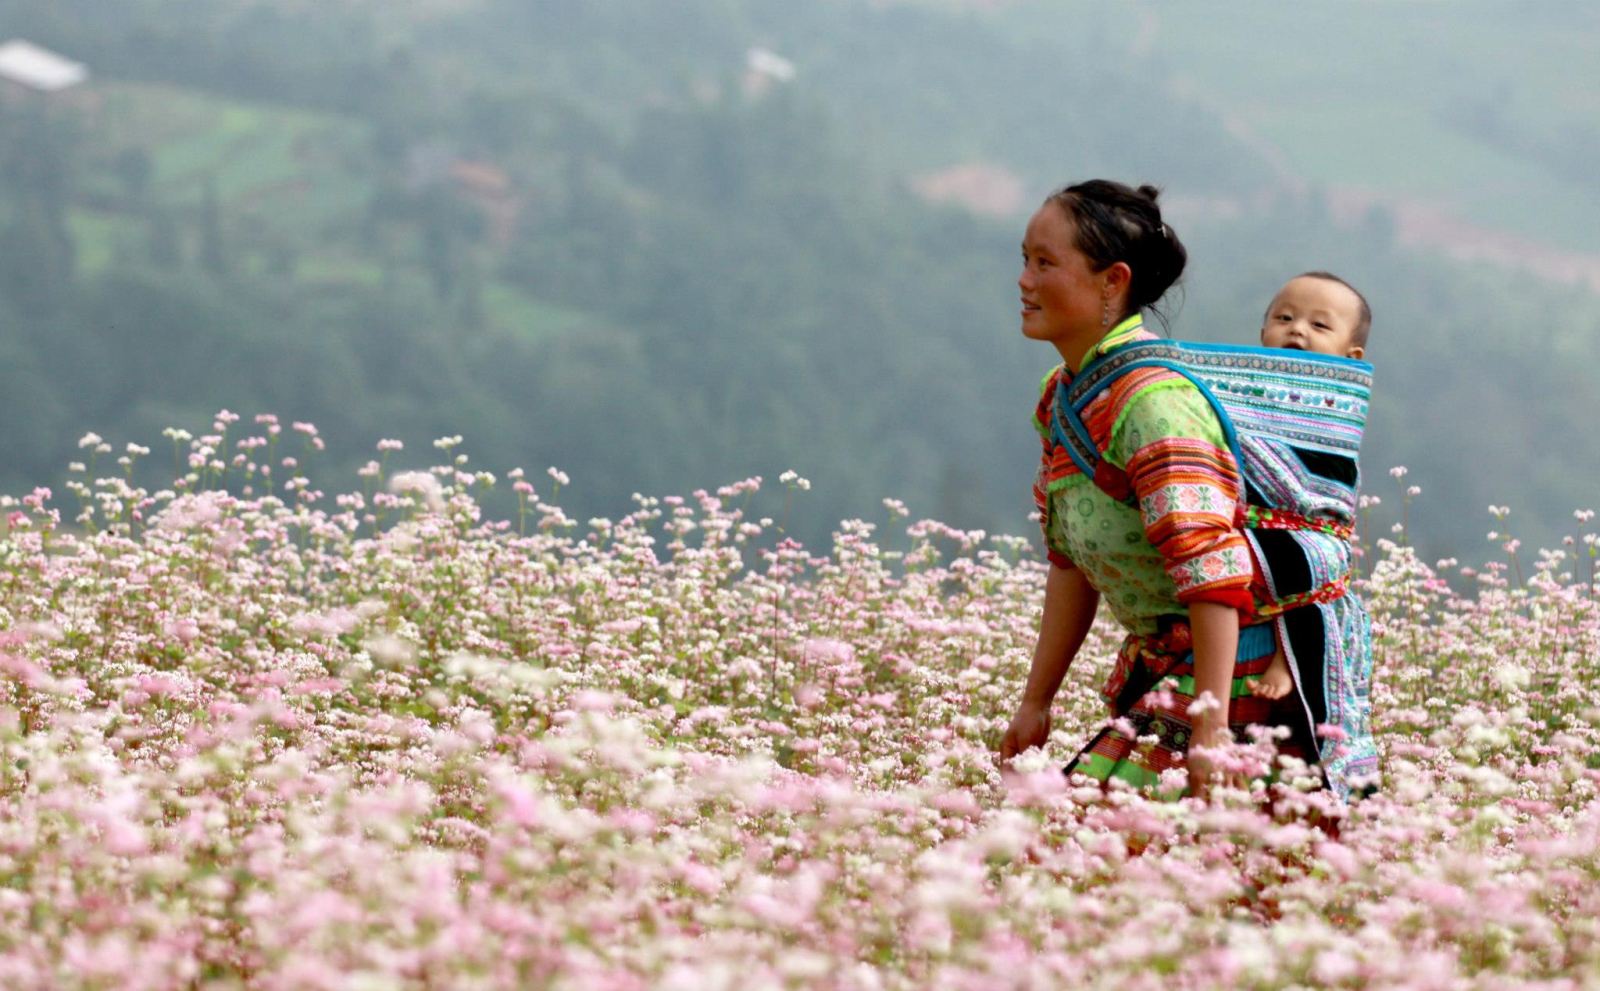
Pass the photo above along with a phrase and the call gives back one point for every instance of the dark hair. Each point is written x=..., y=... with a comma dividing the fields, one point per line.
x=1115, y=222
x=1363, y=321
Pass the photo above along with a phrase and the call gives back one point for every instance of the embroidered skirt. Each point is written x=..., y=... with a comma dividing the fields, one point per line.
x=1151, y=688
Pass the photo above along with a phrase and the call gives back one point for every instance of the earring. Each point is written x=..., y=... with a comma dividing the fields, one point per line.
x=1105, y=314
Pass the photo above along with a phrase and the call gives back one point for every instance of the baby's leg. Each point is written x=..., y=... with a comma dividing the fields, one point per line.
x=1274, y=682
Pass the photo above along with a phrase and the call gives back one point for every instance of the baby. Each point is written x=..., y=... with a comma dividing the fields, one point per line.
x=1320, y=312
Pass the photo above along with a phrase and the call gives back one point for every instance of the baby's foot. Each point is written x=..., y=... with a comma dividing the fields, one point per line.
x=1274, y=682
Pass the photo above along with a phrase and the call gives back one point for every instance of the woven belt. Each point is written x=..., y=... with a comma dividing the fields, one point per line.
x=1262, y=518
x=1329, y=592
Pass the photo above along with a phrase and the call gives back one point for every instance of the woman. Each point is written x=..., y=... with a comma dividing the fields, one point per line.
x=1154, y=533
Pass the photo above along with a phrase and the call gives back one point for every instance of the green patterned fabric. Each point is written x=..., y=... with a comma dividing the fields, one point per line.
x=1107, y=539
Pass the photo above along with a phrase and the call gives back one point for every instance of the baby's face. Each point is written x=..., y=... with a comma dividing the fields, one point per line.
x=1311, y=314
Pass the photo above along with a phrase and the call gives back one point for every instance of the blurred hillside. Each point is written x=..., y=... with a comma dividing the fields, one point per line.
x=670, y=246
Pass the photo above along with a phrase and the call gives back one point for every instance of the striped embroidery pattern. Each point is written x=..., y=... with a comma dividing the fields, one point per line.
x=1187, y=497
x=1309, y=400
x=1140, y=431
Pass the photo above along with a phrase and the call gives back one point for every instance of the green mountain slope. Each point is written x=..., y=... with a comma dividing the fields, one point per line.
x=586, y=235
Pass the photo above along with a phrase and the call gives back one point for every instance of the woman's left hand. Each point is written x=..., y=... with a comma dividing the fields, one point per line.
x=1029, y=728
x=1206, y=769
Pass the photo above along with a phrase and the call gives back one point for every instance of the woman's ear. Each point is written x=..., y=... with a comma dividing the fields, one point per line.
x=1118, y=276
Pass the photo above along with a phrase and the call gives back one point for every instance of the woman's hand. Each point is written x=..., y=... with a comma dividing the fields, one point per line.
x=1069, y=606
x=1216, y=645
x=1205, y=745
x=1030, y=727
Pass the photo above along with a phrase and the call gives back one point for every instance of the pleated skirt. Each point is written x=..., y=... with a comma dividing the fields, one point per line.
x=1161, y=727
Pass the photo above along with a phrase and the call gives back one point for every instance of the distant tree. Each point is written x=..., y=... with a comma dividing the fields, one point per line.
x=39, y=156
x=499, y=121
x=447, y=226
x=133, y=169
x=33, y=405
x=214, y=257
x=281, y=256
x=468, y=302
x=163, y=239
x=37, y=257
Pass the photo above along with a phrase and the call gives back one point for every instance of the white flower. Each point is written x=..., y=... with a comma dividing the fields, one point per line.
x=389, y=651
x=1512, y=676
x=423, y=484
x=1031, y=761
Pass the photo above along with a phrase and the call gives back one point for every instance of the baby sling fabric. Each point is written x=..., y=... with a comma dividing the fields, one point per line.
x=1293, y=421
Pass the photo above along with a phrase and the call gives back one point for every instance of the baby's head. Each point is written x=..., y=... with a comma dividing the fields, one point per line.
x=1320, y=312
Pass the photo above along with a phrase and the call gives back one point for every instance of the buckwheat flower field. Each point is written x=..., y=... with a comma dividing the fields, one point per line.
x=256, y=735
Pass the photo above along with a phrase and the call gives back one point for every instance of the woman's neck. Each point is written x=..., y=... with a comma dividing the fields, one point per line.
x=1075, y=349
x=1072, y=351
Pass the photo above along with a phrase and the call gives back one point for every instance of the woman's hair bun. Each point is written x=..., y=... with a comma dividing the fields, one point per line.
x=1117, y=222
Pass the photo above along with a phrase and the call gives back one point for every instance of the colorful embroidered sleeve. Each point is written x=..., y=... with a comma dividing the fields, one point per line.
x=1168, y=441
x=1053, y=544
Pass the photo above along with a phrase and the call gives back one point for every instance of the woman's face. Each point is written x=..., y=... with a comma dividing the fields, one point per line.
x=1062, y=298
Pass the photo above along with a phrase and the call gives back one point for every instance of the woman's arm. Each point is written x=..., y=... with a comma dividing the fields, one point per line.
x=1215, y=627
x=1181, y=469
x=1069, y=607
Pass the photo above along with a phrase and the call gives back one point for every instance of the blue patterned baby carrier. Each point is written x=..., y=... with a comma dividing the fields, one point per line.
x=1294, y=422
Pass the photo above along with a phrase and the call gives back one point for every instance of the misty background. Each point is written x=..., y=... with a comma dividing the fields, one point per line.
x=669, y=244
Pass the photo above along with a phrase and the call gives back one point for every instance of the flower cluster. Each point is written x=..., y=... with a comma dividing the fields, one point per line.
x=252, y=736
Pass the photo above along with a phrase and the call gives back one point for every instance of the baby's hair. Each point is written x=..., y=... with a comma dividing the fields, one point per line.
x=1363, y=320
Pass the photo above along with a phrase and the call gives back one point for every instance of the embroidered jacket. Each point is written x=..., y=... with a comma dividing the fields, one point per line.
x=1164, y=446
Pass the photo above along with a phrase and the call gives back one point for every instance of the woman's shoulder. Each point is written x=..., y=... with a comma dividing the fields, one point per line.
x=1150, y=404
x=1047, y=395
x=1047, y=385
x=1148, y=390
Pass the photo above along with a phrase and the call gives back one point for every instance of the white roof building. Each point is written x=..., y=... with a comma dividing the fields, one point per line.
x=27, y=64
x=766, y=62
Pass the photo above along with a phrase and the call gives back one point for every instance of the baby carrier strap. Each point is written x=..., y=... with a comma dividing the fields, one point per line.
x=1074, y=394
x=1315, y=405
